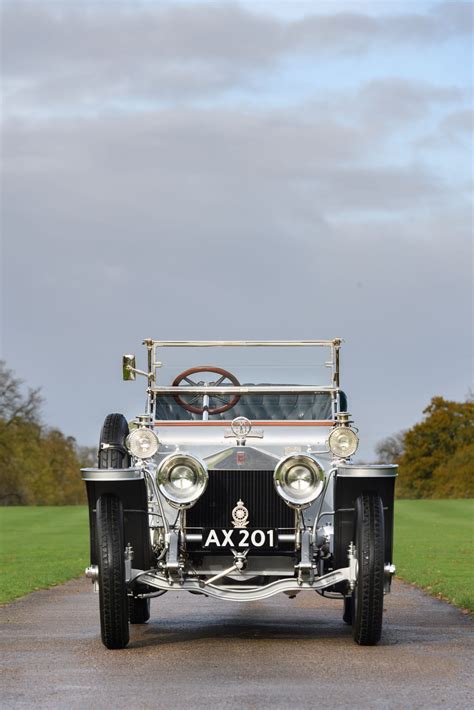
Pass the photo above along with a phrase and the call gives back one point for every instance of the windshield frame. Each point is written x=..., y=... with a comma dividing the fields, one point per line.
x=334, y=364
x=156, y=391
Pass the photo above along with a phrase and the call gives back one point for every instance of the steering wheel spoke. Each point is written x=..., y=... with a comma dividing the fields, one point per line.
x=189, y=406
x=195, y=398
x=219, y=398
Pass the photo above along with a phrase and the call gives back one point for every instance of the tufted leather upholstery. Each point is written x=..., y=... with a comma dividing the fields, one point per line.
x=257, y=406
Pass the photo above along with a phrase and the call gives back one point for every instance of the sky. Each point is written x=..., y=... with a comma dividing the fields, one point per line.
x=253, y=170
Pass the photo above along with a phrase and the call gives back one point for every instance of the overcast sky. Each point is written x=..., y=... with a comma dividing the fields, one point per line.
x=191, y=170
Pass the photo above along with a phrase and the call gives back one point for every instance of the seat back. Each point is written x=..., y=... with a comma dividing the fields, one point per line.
x=271, y=406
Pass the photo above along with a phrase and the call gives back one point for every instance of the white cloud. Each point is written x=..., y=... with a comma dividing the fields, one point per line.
x=94, y=55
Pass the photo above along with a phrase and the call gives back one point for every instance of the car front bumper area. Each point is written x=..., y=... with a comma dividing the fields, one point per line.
x=240, y=592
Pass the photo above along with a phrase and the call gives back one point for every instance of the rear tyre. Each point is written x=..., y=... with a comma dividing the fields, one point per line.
x=139, y=610
x=367, y=597
x=112, y=586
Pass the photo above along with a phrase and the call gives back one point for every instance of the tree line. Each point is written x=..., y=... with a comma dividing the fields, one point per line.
x=39, y=465
x=436, y=456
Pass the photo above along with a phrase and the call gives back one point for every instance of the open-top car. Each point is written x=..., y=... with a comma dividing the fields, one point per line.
x=235, y=484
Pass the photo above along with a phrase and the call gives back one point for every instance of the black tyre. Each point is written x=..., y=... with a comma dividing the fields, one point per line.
x=139, y=610
x=113, y=454
x=347, y=615
x=112, y=587
x=367, y=598
x=112, y=451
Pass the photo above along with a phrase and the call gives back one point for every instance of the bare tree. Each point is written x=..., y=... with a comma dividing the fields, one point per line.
x=87, y=456
x=16, y=405
x=390, y=449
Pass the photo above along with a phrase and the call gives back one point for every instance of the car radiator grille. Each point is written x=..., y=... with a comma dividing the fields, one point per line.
x=254, y=488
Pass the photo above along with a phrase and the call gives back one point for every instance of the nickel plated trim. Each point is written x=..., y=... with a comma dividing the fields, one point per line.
x=375, y=471
x=153, y=391
x=111, y=474
x=246, y=594
x=261, y=422
x=211, y=389
x=320, y=513
x=243, y=343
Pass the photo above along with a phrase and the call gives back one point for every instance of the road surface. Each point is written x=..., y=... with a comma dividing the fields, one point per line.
x=204, y=653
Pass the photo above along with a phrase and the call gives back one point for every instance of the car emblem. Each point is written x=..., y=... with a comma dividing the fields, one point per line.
x=241, y=427
x=240, y=515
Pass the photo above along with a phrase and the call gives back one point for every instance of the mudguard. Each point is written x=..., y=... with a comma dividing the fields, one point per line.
x=128, y=485
x=350, y=482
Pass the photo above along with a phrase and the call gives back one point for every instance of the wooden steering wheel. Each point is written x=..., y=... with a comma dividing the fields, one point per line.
x=223, y=376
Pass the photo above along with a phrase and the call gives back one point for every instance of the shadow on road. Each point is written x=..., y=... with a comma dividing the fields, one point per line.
x=158, y=632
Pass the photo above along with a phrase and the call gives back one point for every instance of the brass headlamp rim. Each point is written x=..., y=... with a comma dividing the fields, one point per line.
x=134, y=432
x=343, y=419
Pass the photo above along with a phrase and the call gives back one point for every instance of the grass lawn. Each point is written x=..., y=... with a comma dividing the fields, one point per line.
x=434, y=547
x=41, y=547
x=44, y=546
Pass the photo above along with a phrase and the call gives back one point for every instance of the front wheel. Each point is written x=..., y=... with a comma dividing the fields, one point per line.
x=347, y=614
x=112, y=587
x=367, y=597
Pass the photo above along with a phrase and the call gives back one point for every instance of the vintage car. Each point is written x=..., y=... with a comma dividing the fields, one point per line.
x=236, y=490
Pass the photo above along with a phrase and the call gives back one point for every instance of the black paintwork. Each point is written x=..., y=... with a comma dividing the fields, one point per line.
x=347, y=490
x=133, y=495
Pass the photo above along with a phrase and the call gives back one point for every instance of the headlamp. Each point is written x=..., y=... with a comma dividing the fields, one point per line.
x=299, y=480
x=182, y=479
x=142, y=443
x=343, y=442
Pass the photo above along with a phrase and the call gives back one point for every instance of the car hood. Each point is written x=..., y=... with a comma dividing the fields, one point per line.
x=261, y=449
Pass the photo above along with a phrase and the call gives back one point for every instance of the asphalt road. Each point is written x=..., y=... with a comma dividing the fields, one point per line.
x=203, y=653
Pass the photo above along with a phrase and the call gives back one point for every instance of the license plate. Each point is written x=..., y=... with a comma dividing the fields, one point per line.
x=239, y=538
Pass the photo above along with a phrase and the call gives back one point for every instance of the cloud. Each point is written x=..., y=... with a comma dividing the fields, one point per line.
x=451, y=136
x=323, y=159
x=92, y=54
x=459, y=124
x=198, y=190
x=396, y=99
x=356, y=32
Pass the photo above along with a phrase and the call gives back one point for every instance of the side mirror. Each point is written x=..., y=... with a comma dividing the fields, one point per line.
x=129, y=367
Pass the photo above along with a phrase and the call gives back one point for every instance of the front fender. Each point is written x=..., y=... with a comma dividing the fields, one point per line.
x=127, y=484
x=350, y=482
